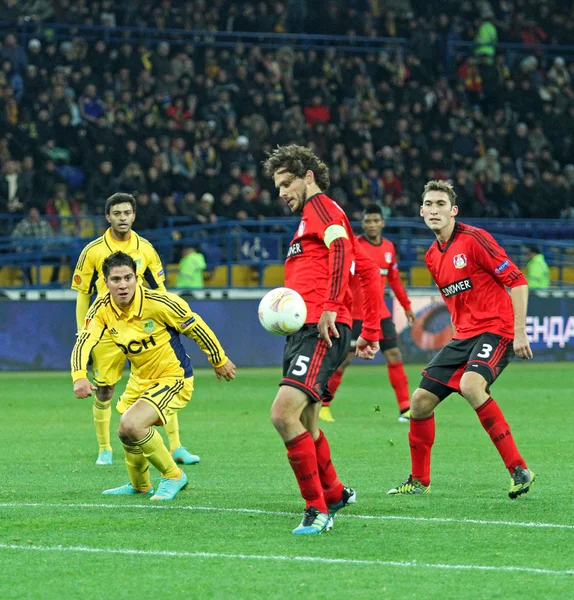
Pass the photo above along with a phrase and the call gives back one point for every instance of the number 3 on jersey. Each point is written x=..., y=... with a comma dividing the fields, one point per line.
x=301, y=365
x=485, y=352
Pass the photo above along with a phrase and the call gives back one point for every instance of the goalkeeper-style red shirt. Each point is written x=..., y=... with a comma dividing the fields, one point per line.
x=385, y=257
x=472, y=273
x=322, y=274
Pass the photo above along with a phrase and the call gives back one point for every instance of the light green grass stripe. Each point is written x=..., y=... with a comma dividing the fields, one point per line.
x=257, y=511
x=273, y=557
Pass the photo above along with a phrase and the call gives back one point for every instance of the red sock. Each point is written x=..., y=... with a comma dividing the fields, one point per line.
x=498, y=429
x=303, y=458
x=421, y=439
x=332, y=386
x=400, y=383
x=332, y=487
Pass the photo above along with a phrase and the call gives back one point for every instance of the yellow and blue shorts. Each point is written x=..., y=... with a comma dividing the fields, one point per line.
x=167, y=395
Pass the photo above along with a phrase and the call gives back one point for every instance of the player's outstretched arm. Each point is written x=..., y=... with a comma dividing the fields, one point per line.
x=519, y=295
x=83, y=388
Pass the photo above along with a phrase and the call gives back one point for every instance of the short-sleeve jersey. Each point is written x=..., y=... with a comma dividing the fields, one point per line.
x=472, y=272
x=309, y=259
x=88, y=276
x=385, y=257
x=148, y=334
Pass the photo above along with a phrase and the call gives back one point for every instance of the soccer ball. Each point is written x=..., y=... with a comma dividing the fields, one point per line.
x=282, y=311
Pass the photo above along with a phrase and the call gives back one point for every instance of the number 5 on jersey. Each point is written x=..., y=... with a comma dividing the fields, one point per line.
x=301, y=365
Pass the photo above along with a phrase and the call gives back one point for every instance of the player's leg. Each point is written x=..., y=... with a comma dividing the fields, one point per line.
x=108, y=364
x=155, y=406
x=335, y=379
x=395, y=368
x=180, y=453
x=490, y=355
x=436, y=384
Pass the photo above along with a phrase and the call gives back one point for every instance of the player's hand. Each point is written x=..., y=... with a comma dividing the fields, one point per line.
x=227, y=371
x=365, y=349
x=410, y=315
x=327, y=326
x=83, y=388
x=522, y=346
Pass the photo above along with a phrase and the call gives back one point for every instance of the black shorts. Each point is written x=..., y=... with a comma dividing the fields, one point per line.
x=487, y=354
x=389, y=339
x=308, y=362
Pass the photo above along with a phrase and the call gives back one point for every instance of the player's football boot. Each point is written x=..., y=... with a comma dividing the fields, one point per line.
x=126, y=490
x=405, y=416
x=313, y=522
x=104, y=458
x=410, y=487
x=326, y=415
x=349, y=497
x=182, y=456
x=520, y=482
x=168, y=488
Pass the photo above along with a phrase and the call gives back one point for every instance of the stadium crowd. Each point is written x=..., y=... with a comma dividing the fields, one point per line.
x=186, y=126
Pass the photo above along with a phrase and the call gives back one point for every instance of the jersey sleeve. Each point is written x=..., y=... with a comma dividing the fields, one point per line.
x=86, y=273
x=370, y=281
x=154, y=274
x=494, y=260
x=394, y=279
x=178, y=314
x=94, y=328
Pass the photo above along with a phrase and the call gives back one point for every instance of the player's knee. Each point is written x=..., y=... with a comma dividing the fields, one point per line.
x=129, y=430
x=393, y=355
x=423, y=403
x=105, y=393
x=473, y=388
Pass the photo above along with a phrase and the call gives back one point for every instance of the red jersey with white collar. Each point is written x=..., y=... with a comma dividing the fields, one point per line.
x=385, y=257
x=322, y=273
x=472, y=272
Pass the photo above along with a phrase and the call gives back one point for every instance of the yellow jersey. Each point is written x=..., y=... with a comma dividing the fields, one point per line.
x=88, y=276
x=147, y=332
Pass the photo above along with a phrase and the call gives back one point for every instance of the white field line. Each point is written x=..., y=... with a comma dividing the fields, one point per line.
x=255, y=511
x=274, y=557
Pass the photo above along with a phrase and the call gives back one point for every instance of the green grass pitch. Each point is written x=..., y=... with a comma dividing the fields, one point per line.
x=229, y=534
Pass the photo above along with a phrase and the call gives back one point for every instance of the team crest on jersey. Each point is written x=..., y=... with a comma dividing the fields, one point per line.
x=138, y=263
x=301, y=229
x=459, y=261
x=149, y=326
x=389, y=257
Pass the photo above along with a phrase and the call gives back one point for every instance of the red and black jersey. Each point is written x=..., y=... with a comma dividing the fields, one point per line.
x=385, y=257
x=472, y=272
x=321, y=273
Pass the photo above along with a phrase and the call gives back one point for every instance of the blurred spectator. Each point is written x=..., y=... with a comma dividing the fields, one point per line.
x=537, y=271
x=59, y=205
x=14, y=192
x=147, y=214
x=191, y=268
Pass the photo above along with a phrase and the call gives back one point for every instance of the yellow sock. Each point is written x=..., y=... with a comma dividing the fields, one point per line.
x=102, y=412
x=172, y=431
x=138, y=468
x=158, y=455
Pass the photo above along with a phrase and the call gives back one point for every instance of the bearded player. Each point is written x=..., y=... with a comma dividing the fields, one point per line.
x=472, y=273
x=320, y=264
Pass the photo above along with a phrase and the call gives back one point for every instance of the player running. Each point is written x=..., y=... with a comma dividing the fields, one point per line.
x=472, y=272
x=108, y=360
x=383, y=252
x=145, y=326
x=319, y=265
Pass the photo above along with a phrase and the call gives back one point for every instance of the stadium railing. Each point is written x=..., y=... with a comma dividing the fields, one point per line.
x=255, y=245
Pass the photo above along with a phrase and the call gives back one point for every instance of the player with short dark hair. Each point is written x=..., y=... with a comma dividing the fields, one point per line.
x=108, y=360
x=383, y=252
x=472, y=273
x=145, y=325
x=320, y=264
